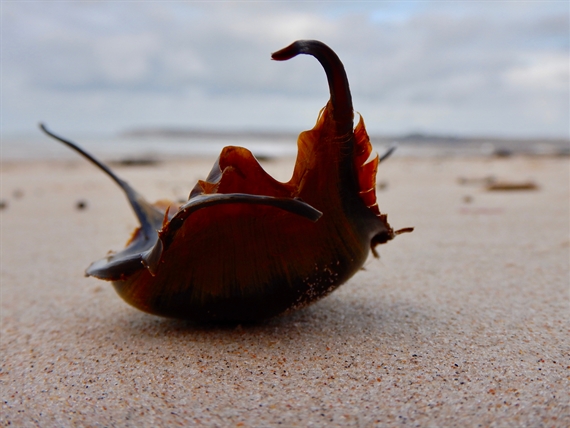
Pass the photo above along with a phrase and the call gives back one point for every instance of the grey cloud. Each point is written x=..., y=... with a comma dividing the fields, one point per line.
x=431, y=60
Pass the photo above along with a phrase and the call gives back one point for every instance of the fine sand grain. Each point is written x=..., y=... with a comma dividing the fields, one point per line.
x=464, y=322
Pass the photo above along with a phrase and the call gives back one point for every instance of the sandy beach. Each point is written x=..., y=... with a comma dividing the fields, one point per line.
x=464, y=322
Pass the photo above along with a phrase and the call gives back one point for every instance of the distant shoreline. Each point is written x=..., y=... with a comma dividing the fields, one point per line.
x=198, y=133
x=501, y=146
x=167, y=143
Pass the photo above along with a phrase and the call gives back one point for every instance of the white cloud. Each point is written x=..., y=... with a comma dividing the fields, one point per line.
x=550, y=72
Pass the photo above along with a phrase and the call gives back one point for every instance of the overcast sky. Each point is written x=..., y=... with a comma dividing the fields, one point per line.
x=454, y=68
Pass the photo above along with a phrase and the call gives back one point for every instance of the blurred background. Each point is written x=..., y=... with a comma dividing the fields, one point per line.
x=187, y=78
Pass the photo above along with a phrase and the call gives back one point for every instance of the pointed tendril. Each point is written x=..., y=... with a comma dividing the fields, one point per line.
x=143, y=210
x=388, y=152
x=86, y=155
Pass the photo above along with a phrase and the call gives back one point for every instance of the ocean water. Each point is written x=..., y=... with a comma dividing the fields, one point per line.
x=117, y=148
